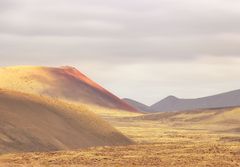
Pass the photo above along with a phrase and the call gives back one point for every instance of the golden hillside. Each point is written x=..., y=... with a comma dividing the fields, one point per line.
x=65, y=83
x=34, y=123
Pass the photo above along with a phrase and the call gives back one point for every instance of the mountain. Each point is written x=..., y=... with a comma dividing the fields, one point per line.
x=139, y=106
x=65, y=83
x=171, y=103
x=34, y=123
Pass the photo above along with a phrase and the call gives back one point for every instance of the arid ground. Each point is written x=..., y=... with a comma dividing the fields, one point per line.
x=45, y=124
x=188, y=139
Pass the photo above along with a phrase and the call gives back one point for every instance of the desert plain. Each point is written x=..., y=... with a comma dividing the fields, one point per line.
x=195, y=139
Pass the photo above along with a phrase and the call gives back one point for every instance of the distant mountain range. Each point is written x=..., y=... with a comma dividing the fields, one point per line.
x=172, y=103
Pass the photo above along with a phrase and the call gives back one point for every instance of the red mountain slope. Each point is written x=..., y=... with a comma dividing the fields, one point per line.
x=63, y=83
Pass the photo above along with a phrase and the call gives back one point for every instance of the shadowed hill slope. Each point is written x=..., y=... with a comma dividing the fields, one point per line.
x=65, y=83
x=32, y=123
x=139, y=106
x=171, y=103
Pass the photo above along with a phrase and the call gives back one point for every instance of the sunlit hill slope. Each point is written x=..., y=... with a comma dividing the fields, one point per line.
x=65, y=83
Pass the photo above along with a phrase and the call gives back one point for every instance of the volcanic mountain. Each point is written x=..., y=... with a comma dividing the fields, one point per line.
x=65, y=83
x=35, y=123
x=171, y=103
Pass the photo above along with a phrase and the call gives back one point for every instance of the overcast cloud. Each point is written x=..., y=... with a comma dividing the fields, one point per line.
x=141, y=49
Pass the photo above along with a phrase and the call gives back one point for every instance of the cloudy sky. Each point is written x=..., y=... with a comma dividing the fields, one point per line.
x=141, y=49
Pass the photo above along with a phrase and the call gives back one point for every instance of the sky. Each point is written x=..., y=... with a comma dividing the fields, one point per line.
x=140, y=49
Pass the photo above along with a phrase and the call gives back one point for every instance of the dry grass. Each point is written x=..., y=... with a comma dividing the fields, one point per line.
x=173, y=148
x=110, y=114
x=34, y=123
x=161, y=154
x=19, y=79
x=65, y=83
x=159, y=144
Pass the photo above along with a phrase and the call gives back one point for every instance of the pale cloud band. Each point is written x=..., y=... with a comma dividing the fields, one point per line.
x=167, y=46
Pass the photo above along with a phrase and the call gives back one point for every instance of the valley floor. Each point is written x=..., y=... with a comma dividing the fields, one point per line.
x=157, y=145
x=158, y=154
